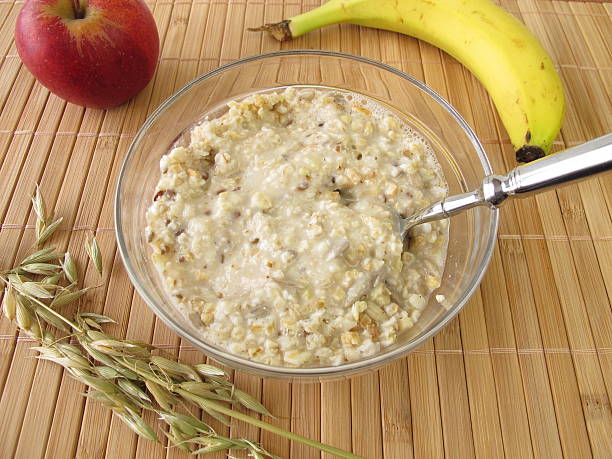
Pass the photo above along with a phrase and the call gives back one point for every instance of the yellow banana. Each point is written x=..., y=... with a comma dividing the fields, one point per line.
x=497, y=48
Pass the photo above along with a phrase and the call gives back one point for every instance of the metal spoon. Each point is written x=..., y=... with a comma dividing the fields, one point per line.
x=575, y=163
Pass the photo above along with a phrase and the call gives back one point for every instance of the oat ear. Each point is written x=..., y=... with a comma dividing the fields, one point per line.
x=93, y=250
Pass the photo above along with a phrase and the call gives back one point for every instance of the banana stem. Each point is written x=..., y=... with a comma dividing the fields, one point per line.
x=327, y=14
x=264, y=425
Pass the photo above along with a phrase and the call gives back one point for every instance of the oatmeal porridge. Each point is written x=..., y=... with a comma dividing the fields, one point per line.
x=275, y=229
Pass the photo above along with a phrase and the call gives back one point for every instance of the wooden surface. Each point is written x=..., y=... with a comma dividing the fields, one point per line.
x=524, y=371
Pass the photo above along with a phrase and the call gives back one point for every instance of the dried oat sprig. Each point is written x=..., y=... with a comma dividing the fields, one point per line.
x=126, y=398
x=126, y=376
x=118, y=388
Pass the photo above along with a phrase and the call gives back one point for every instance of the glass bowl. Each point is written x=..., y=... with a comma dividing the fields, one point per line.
x=460, y=154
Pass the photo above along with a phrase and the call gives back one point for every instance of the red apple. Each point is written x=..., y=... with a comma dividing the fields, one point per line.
x=95, y=53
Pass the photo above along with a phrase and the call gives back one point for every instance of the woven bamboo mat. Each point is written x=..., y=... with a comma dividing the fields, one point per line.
x=524, y=371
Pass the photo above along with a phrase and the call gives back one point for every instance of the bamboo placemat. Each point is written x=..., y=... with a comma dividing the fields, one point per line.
x=524, y=371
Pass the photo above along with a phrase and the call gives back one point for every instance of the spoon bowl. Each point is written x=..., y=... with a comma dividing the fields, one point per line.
x=576, y=163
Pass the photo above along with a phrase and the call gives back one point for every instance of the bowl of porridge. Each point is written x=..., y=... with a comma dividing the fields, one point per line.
x=256, y=214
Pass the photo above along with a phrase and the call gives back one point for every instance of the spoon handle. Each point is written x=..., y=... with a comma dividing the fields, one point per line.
x=575, y=163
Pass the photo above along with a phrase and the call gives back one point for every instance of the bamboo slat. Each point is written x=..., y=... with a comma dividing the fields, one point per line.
x=305, y=417
x=480, y=382
x=524, y=371
x=395, y=411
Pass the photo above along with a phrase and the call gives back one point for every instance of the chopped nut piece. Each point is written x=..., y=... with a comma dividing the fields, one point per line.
x=261, y=201
x=417, y=301
x=206, y=317
x=372, y=329
x=433, y=282
x=350, y=338
x=376, y=312
x=391, y=189
x=405, y=323
x=358, y=308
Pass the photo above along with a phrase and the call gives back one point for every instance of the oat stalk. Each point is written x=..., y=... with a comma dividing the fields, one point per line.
x=128, y=377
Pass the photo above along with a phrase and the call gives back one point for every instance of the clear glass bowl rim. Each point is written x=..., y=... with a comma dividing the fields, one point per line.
x=376, y=360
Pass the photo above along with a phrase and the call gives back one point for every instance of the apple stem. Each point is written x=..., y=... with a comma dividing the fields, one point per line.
x=78, y=11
